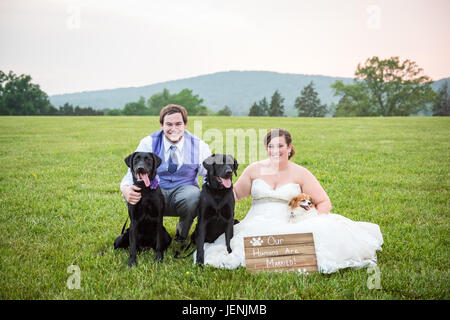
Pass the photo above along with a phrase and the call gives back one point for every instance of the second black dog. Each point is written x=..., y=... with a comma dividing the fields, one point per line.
x=146, y=226
x=216, y=205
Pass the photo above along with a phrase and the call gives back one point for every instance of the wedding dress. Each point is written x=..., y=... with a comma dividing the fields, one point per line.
x=339, y=242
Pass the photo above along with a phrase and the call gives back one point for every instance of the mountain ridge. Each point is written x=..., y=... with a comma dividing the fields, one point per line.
x=236, y=89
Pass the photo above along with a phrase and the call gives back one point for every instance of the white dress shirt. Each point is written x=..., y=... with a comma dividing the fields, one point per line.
x=146, y=146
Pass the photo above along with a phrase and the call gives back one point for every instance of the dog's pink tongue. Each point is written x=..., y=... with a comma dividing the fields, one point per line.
x=144, y=177
x=226, y=182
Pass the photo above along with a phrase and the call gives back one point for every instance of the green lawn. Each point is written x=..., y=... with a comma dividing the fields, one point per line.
x=61, y=205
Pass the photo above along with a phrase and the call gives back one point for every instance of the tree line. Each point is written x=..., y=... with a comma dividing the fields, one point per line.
x=19, y=96
x=381, y=87
x=307, y=104
x=388, y=87
x=193, y=104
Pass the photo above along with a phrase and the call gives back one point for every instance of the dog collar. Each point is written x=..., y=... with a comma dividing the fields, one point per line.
x=154, y=183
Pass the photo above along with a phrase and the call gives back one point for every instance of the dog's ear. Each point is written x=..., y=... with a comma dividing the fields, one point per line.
x=235, y=167
x=306, y=196
x=208, y=164
x=156, y=163
x=157, y=160
x=292, y=203
x=129, y=161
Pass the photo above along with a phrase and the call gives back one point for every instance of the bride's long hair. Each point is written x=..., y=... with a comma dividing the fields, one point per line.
x=278, y=132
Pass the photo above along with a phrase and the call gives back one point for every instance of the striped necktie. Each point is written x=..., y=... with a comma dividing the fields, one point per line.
x=173, y=162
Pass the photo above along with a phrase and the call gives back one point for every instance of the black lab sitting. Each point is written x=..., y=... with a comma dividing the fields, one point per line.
x=216, y=205
x=146, y=226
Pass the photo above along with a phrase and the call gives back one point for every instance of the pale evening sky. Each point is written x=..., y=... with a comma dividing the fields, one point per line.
x=75, y=45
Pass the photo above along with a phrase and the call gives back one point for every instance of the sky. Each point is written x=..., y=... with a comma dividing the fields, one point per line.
x=74, y=45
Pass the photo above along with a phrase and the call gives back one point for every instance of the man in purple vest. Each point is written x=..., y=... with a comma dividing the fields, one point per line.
x=182, y=155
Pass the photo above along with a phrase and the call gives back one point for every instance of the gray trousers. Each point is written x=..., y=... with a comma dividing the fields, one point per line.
x=182, y=202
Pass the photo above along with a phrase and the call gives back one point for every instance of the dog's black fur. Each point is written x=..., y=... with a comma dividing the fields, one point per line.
x=146, y=226
x=216, y=205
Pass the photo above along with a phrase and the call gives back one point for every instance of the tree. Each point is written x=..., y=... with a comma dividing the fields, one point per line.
x=387, y=88
x=89, y=111
x=226, y=111
x=254, y=110
x=158, y=101
x=189, y=101
x=114, y=112
x=66, y=109
x=441, y=106
x=202, y=111
x=354, y=101
x=192, y=103
x=276, y=107
x=136, y=108
x=18, y=96
x=264, y=106
x=52, y=111
x=308, y=104
x=259, y=109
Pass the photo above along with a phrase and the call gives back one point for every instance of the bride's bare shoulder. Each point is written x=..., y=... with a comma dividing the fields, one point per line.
x=295, y=166
x=253, y=169
x=297, y=170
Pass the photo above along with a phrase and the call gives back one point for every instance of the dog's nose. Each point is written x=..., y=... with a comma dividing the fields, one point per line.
x=140, y=169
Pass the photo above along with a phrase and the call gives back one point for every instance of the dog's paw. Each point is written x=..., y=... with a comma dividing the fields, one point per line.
x=200, y=262
x=132, y=263
x=256, y=242
x=159, y=257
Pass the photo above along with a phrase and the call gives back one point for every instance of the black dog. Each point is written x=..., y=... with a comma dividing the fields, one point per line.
x=146, y=226
x=216, y=205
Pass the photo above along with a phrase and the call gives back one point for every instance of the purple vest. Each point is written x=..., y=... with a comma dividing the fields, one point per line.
x=187, y=173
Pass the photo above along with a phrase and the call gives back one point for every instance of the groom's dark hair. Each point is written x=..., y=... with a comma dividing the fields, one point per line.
x=170, y=109
x=279, y=133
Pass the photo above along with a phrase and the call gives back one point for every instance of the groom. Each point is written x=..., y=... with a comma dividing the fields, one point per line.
x=182, y=155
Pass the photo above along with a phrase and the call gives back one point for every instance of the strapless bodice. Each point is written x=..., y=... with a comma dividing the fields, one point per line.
x=261, y=191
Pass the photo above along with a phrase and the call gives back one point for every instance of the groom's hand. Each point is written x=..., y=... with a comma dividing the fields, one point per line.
x=131, y=194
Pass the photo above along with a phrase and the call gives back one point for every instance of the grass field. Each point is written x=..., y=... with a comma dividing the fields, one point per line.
x=61, y=205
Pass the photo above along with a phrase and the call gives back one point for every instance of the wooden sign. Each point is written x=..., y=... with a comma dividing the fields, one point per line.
x=282, y=252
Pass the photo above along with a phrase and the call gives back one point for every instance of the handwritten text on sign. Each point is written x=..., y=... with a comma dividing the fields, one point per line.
x=282, y=252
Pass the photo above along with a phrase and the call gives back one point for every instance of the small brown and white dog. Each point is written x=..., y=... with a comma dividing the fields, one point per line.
x=301, y=206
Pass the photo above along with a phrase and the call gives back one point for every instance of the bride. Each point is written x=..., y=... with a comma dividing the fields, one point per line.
x=339, y=242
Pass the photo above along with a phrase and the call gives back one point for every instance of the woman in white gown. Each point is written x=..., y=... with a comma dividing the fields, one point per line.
x=339, y=242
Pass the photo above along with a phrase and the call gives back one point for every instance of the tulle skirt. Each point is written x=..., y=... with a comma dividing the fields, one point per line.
x=339, y=241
